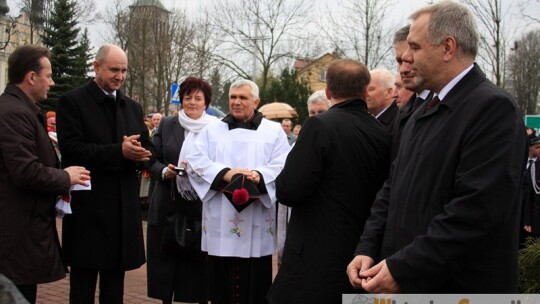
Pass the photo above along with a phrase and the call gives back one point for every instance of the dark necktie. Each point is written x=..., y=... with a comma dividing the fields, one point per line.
x=435, y=100
x=120, y=126
x=417, y=102
x=530, y=164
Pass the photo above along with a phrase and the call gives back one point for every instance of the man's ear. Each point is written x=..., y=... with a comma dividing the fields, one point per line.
x=327, y=92
x=257, y=101
x=450, y=47
x=30, y=77
x=390, y=91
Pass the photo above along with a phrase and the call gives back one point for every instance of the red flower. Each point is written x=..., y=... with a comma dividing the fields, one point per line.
x=240, y=196
x=146, y=174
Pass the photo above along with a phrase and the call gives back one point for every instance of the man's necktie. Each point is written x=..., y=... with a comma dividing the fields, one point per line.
x=530, y=163
x=435, y=100
x=120, y=126
x=417, y=103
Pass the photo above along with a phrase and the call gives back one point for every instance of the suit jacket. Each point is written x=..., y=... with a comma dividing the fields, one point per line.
x=30, y=181
x=330, y=179
x=105, y=229
x=388, y=117
x=447, y=218
x=531, y=201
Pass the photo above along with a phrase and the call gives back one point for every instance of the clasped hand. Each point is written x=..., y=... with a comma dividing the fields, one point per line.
x=252, y=175
x=376, y=279
x=132, y=149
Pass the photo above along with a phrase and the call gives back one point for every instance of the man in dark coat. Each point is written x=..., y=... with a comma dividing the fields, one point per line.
x=330, y=179
x=414, y=101
x=379, y=98
x=530, y=214
x=446, y=221
x=103, y=129
x=30, y=176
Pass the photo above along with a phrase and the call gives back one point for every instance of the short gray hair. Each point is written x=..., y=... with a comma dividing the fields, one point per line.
x=402, y=33
x=386, y=78
x=318, y=97
x=449, y=18
x=242, y=82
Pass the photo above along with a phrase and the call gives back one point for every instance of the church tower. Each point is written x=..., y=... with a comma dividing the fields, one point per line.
x=149, y=36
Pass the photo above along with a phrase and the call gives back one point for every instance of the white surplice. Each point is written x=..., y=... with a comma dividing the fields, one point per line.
x=226, y=232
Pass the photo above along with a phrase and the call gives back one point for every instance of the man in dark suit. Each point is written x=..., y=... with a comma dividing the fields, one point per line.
x=30, y=176
x=446, y=221
x=379, y=98
x=103, y=129
x=330, y=179
x=530, y=214
x=415, y=100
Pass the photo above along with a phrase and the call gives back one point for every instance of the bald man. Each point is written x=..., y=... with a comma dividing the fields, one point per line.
x=103, y=130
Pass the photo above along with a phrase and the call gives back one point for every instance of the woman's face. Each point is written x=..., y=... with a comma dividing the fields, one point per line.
x=193, y=104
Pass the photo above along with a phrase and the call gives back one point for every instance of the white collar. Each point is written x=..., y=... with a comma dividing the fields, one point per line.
x=424, y=94
x=106, y=93
x=453, y=83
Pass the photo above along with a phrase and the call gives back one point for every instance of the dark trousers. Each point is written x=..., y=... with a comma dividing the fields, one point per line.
x=29, y=292
x=239, y=280
x=83, y=281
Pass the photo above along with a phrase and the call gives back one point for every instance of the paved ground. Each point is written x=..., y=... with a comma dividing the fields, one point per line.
x=134, y=290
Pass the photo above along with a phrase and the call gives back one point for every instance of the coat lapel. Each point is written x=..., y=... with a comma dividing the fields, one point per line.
x=178, y=133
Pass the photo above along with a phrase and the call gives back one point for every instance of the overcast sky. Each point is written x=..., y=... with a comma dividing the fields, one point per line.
x=401, y=10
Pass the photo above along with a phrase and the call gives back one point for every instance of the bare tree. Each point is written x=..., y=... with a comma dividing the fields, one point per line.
x=257, y=34
x=162, y=47
x=8, y=24
x=147, y=39
x=525, y=11
x=40, y=10
x=524, y=71
x=116, y=17
x=357, y=30
x=35, y=9
x=491, y=17
x=204, y=45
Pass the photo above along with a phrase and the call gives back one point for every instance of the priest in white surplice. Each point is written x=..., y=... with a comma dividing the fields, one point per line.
x=239, y=244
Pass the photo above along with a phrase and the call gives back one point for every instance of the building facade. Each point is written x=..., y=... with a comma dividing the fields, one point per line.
x=313, y=71
x=14, y=32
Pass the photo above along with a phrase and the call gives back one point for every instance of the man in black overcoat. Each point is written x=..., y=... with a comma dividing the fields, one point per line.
x=102, y=129
x=447, y=221
x=380, y=98
x=418, y=97
x=330, y=179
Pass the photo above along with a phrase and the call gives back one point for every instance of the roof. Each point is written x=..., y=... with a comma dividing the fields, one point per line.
x=303, y=63
x=156, y=3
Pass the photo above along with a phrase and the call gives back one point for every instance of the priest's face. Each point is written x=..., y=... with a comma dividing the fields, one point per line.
x=242, y=104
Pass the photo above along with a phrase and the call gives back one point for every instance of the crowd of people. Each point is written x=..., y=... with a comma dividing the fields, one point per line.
x=394, y=184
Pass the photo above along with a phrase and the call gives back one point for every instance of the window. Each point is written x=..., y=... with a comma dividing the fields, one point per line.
x=322, y=75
